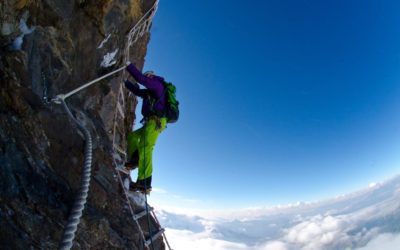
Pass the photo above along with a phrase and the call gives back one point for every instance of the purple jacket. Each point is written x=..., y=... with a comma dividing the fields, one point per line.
x=154, y=88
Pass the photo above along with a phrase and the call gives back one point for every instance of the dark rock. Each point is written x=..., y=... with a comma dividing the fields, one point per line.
x=41, y=150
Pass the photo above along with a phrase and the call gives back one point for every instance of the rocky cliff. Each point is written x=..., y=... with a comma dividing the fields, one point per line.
x=48, y=47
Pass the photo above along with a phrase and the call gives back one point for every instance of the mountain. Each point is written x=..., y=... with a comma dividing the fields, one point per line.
x=50, y=47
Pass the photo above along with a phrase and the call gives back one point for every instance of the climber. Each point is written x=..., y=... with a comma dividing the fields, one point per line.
x=141, y=141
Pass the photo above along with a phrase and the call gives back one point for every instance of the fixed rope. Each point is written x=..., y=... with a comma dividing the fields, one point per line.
x=81, y=197
x=59, y=98
x=142, y=26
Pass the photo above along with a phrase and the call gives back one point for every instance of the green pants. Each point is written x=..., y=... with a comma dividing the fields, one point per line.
x=143, y=140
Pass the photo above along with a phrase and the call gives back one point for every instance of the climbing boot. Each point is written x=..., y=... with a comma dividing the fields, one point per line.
x=135, y=187
x=143, y=186
x=130, y=165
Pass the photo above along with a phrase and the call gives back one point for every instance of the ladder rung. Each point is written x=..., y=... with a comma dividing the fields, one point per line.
x=123, y=170
x=120, y=150
x=143, y=213
x=158, y=234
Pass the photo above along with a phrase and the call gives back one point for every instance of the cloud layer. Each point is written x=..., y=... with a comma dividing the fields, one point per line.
x=366, y=220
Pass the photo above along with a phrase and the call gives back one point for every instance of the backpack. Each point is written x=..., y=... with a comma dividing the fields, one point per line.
x=171, y=111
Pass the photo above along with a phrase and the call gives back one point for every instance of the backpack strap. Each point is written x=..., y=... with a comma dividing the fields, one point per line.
x=157, y=101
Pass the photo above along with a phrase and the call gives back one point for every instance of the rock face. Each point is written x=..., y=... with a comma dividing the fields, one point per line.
x=48, y=47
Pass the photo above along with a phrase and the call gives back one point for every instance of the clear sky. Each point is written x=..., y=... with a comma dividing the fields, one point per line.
x=281, y=101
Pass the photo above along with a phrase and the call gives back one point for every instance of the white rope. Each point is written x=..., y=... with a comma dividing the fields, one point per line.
x=60, y=97
x=81, y=197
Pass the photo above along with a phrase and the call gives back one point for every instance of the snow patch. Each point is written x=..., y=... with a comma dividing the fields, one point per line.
x=108, y=59
x=138, y=199
x=23, y=27
x=104, y=41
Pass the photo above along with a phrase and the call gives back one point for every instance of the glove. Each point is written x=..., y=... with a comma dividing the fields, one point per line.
x=131, y=86
x=128, y=84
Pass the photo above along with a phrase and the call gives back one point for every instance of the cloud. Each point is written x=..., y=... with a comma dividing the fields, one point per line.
x=364, y=220
x=316, y=232
x=163, y=198
x=383, y=242
x=274, y=245
x=159, y=190
x=183, y=240
x=372, y=184
x=194, y=224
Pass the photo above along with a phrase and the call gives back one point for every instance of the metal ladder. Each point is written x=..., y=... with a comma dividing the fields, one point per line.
x=119, y=156
x=119, y=134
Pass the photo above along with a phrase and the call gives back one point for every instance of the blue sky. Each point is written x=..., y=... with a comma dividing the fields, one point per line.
x=281, y=101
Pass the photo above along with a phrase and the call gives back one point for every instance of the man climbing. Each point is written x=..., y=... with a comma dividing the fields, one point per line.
x=141, y=141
